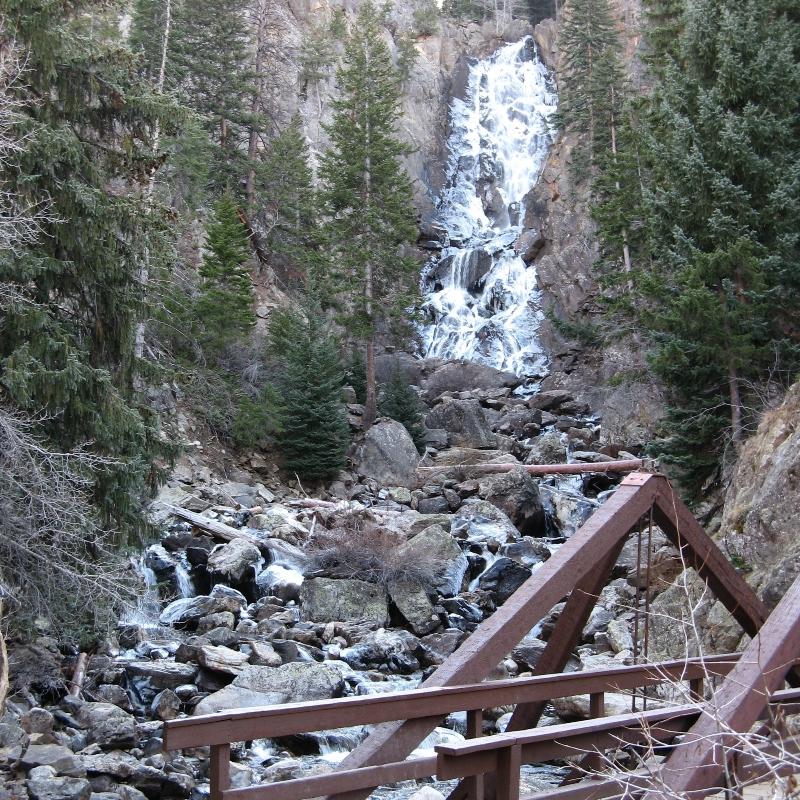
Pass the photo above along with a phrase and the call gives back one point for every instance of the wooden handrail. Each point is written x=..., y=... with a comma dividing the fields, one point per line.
x=292, y=718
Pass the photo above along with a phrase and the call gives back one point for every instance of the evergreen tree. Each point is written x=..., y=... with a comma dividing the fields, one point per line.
x=286, y=194
x=367, y=193
x=314, y=434
x=590, y=79
x=224, y=307
x=401, y=403
x=68, y=352
x=721, y=199
x=664, y=28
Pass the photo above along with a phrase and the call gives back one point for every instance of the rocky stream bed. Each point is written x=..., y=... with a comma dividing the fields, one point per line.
x=364, y=588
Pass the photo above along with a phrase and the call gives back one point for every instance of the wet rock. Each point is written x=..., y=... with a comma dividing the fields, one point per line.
x=112, y=693
x=433, y=505
x=549, y=400
x=261, y=686
x=383, y=648
x=458, y=376
x=388, y=455
x=61, y=759
x=528, y=652
x=515, y=493
x=481, y=521
x=166, y=705
x=503, y=578
x=222, y=619
x=221, y=659
x=233, y=559
x=263, y=654
x=191, y=609
x=438, y=549
x=444, y=644
x=547, y=449
x=527, y=551
x=465, y=423
x=281, y=582
x=153, y=781
x=162, y=674
x=44, y=784
x=413, y=603
x=326, y=599
x=460, y=607
x=529, y=245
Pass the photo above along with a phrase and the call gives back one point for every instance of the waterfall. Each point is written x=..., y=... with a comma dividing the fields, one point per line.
x=481, y=300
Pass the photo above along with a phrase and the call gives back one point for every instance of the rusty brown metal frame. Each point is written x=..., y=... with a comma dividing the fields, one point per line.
x=577, y=571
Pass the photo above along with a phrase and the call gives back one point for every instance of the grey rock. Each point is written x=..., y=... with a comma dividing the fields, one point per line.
x=437, y=438
x=481, y=521
x=528, y=652
x=263, y=654
x=527, y=551
x=221, y=659
x=458, y=376
x=619, y=635
x=191, y=609
x=233, y=559
x=327, y=599
x=465, y=423
x=515, y=493
x=112, y=693
x=413, y=603
x=549, y=400
x=503, y=578
x=444, y=644
x=61, y=759
x=388, y=455
x=260, y=686
x=108, y=725
x=166, y=705
x=436, y=547
x=44, y=784
x=433, y=505
x=37, y=720
x=547, y=449
x=162, y=674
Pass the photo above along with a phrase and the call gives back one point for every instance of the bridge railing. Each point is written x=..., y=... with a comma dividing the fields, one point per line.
x=220, y=730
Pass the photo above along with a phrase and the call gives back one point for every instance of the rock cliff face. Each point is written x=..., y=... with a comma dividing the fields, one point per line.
x=757, y=529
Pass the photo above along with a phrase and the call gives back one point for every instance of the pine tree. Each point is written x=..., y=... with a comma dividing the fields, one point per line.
x=314, y=434
x=591, y=82
x=68, y=353
x=401, y=403
x=224, y=307
x=367, y=193
x=664, y=28
x=722, y=196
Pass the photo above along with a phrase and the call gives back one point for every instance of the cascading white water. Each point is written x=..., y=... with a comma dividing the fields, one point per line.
x=481, y=299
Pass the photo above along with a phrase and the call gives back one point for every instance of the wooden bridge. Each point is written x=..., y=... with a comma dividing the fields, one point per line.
x=693, y=748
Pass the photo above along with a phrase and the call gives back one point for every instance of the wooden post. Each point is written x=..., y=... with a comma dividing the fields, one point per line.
x=474, y=784
x=696, y=689
x=509, y=761
x=220, y=770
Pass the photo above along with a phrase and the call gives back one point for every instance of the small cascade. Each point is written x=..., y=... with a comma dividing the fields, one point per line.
x=183, y=579
x=482, y=302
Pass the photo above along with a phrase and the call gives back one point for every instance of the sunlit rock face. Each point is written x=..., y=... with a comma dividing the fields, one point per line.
x=482, y=301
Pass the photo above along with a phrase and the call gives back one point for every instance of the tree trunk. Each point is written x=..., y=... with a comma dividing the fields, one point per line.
x=626, y=251
x=737, y=433
x=257, y=104
x=144, y=272
x=371, y=403
x=3, y=664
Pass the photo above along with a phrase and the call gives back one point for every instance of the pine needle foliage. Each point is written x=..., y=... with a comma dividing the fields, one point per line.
x=224, y=307
x=400, y=402
x=366, y=193
x=314, y=434
x=66, y=347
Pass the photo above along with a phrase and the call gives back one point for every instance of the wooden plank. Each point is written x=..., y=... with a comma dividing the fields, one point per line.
x=700, y=759
x=496, y=636
x=291, y=718
x=317, y=785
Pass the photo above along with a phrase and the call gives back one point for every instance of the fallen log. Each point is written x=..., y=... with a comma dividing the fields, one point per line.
x=210, y=525
x=78, y=675
x=629, y=465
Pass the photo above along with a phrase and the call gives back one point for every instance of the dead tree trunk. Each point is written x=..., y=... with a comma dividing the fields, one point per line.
x=3, y=664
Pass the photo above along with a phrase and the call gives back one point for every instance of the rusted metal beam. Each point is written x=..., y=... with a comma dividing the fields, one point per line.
x=291, y=718
x=567, y=632
x=495, y=637
x=700, y=552
x=626, y=465
x=701, y=758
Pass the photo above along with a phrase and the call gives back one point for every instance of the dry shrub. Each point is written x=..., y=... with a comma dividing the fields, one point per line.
x=366, y=552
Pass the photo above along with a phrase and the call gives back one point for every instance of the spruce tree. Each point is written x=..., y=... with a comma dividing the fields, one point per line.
x=367, y=193
x=224, y=307
x=721, y=200
x=68, y=354
x=314, y=433
x=400, y=402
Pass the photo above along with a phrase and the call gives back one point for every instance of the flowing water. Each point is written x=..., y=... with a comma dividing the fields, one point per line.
x=482, y=302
